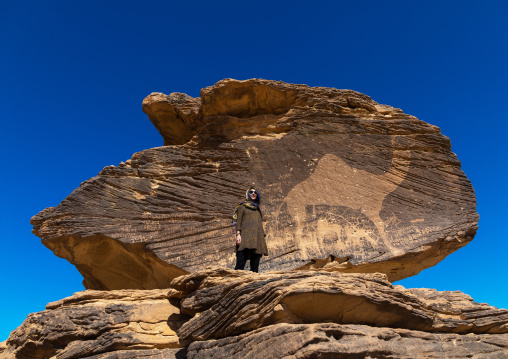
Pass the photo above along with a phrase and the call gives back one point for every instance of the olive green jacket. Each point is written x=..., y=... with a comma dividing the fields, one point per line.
x=250, y=225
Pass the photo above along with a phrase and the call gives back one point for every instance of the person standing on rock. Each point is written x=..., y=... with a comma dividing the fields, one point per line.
x=250, y=235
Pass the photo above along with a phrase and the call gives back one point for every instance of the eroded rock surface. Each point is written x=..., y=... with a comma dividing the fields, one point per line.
x=229, y=304
x=222, y=313
x=92, y=323
x=328, y=340
x=347, y=184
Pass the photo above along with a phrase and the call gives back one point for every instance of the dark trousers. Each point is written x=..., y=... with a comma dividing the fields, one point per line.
x=247, y=253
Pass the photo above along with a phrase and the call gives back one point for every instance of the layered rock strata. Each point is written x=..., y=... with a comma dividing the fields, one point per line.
x=225, y=305
x=328, y=340
x=347, y=184
x=221, y=313
x=95, y=322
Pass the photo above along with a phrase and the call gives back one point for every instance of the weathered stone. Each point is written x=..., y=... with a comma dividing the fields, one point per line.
x=307, y=314
x=179, y=353
x=176, y=117
x=3, y=349
x=330, y=340
x=347, y=184
x=354, y=194
x=90, y=323
x=233, y=305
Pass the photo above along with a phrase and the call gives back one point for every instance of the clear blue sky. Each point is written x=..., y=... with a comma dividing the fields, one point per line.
x=73, y=76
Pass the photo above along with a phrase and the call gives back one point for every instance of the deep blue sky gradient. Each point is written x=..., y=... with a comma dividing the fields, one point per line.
x=73, y=76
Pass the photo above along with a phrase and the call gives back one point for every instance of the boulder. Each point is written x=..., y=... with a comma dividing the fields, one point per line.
x=346, y=184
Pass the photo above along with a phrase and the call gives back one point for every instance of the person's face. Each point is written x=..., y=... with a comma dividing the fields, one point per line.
x=252, y=194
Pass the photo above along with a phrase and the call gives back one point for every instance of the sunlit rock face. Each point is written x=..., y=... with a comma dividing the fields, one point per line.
x=100, y=323
x=346, y=185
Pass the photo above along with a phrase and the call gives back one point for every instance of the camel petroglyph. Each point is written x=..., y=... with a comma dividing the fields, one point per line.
x=335, y=183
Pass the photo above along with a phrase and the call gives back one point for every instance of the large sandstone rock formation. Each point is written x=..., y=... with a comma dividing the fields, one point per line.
x=221, y=313
x=347, y=184
x=355, y=194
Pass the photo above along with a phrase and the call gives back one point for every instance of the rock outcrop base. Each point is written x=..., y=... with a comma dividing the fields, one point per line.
x=222, y=313
x=96, y=322
x=234, y=306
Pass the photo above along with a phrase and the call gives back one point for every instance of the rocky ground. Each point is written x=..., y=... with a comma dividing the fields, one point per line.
x=222, y=313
